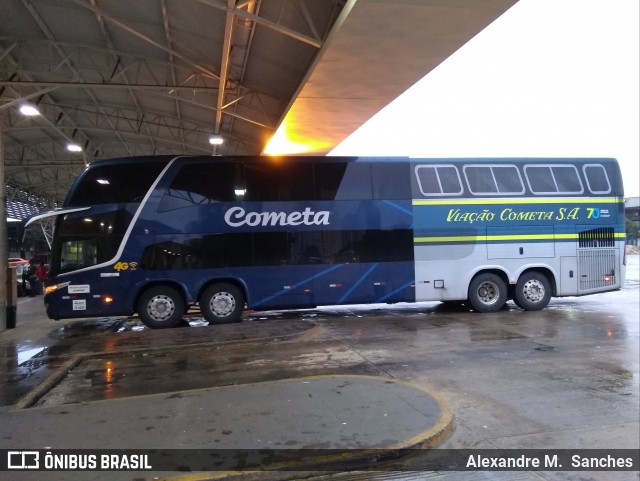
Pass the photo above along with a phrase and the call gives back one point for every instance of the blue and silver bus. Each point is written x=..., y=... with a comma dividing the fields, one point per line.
x=158, y=235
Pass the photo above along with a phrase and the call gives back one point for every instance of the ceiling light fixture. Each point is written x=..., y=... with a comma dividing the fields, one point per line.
x=216, y=140
x=29, y=110
x=74, y=148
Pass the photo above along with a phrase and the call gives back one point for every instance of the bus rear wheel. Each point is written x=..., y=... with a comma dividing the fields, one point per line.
x=533, y=291
x=161, y=307
x=487, y=292
x=222, y=304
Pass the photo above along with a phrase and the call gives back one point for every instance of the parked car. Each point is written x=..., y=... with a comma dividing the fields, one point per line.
x=16, y=261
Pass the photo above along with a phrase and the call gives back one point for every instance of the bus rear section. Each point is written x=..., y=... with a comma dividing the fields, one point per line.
x=525, y=230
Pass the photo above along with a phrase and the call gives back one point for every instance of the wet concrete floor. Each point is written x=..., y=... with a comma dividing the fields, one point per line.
x=564, y=377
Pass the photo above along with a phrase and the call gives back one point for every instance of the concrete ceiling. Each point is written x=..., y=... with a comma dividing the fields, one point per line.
x=161, y=76
x=382, y=48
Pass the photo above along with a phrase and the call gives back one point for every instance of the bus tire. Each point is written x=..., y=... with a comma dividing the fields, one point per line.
x=161, y=307
x=533, y=291
x=487, y=292
x=222, y=303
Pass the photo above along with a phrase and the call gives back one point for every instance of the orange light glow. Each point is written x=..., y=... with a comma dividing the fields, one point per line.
x=286, y=142
x=109, y=369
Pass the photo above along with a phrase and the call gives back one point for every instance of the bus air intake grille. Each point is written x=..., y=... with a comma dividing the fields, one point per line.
x=599, y=237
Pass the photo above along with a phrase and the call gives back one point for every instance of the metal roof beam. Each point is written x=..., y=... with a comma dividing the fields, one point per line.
x=224, y=64
x=107, y=86
x=314, y=42
x=21, y=99
x=107, y=37
x=146, y=39
x=169, y=41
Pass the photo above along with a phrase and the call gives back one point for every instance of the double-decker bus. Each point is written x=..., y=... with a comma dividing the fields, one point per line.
x=158, y=235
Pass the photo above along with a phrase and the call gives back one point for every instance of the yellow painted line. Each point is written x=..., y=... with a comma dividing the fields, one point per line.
x=426, y=439
x=204, y=476
x=468, y=238
x=522, y=237
x=528, y=200
x=471, y=238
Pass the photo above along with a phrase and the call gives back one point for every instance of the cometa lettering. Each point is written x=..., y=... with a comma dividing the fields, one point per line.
x=238, y=217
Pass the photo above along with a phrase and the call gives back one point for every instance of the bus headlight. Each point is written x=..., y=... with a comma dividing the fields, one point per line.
x=55, y=287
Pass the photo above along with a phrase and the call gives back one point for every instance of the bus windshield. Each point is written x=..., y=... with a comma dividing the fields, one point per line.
x=87, y=238
x=114, y=192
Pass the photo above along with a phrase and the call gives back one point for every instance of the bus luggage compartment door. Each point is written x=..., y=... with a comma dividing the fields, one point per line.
x=568, y=276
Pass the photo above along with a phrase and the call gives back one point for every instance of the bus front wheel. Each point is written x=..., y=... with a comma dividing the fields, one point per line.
x=161, y=307
x=222, y=304
x=487, y=292
x=533, y=291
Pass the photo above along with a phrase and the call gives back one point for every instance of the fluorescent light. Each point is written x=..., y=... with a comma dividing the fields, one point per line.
x=29, y=110
x=240, y=191
x=74, y=148
x=216, y=140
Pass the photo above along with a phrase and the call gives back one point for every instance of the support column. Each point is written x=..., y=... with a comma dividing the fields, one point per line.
x=3, y=236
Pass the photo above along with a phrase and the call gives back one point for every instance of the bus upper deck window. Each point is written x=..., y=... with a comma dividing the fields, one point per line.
x=438, y=180
x=493, y=179
x=597, y=179
x=553, y=179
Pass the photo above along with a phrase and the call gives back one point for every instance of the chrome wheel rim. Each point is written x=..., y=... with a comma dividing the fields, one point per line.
x=222, y=304
x=161, y=308
x=488, y=293
x=533, y=290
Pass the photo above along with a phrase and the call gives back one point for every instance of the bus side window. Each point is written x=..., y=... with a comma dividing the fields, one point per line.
x=567, y=179
x=200, y=183
x=259, y=181
x=479, y=179
x=391, y=181
x=597, y=179
x=508, y=179
x=356, y=182
x=553, y=179
x=540, y=179
x=494, y=179
x=328, y=177
x=295, y=181
x=438, y=180
x=286, y=181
